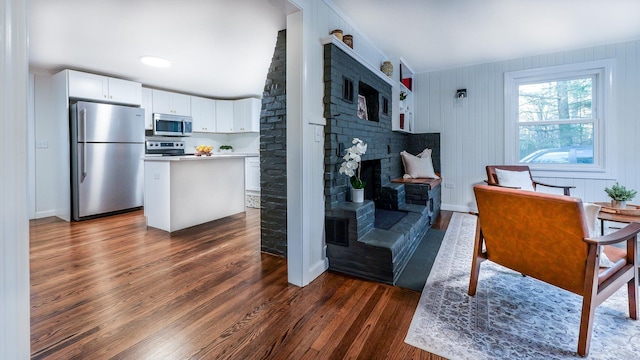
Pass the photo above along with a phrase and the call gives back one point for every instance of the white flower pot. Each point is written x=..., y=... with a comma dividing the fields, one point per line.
x=357, y=195
x=618, y=204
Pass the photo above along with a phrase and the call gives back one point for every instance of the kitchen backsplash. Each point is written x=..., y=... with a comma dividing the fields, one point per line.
x=245, y=143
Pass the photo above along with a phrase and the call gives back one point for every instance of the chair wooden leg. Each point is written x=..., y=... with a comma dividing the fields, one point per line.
x=589, y=305
x=475, y=274
x=478, y=258
x=632, y=289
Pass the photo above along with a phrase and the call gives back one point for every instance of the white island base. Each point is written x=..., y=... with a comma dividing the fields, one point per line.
x=185, y=191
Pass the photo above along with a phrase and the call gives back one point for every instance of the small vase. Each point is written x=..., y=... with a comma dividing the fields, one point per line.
x=387, y=68
x=337, y=33
x=618, y=204
x=348, y=39
x=357, y=195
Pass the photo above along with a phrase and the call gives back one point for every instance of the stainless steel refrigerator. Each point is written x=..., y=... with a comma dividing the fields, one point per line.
x=107, y=146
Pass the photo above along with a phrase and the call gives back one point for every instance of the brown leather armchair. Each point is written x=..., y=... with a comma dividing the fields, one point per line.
x=492, y=178
x=546, y=236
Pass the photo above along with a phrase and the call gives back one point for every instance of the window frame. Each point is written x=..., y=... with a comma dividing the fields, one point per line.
x=602, y=115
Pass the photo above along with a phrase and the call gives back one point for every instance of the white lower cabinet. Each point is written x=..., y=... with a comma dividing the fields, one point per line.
x=252, y=173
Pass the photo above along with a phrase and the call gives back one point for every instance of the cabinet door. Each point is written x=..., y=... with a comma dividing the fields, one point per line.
x=165, y=102
x=161, y=102
x=252, y=173
x=224, y=116
x=147, y=105
x=181, y=104
x=246, y=115
x=203, y=112
x=88, y=86
x=125, y=92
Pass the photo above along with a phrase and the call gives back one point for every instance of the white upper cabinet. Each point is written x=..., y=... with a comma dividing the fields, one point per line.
x=165, y=102
x=203, y=113
x=246, y=115
x=147, y=105
x=102, y=88
x=224, y=116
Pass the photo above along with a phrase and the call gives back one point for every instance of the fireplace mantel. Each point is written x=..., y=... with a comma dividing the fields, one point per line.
x=357, y=57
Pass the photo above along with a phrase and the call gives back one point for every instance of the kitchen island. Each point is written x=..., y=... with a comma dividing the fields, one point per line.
x=184, y=191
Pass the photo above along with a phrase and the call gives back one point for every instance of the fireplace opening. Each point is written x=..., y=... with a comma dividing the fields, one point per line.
x=370, y=174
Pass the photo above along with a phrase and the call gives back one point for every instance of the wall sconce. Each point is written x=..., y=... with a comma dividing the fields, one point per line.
x=461, y=94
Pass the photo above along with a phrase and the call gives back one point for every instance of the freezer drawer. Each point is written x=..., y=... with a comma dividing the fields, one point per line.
x=107, y=177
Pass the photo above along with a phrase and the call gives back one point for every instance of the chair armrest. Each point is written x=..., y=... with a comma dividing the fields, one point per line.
x=555, y=186
x=566, y=188
x=621, y=235
x=502, y=186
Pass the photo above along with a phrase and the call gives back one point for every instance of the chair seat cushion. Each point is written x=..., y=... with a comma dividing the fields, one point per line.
x=516, y=179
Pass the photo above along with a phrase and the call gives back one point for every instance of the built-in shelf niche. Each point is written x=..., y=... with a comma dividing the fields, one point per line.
x=372, y=98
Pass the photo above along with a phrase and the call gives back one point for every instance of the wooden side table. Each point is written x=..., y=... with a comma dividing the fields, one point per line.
x=616, y=218
x=621, y=216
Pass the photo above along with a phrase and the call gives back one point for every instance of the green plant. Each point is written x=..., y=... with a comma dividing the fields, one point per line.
x=226, y=147
x=620, y=193
x=403, y=95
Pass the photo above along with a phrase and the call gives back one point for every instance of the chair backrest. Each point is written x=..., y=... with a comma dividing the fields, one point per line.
x=492, y=178
x=537, y=234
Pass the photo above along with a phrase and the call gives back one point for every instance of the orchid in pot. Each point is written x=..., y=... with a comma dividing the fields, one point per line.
x=351, y=168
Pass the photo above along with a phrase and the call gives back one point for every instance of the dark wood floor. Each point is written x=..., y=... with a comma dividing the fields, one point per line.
x=113, y=288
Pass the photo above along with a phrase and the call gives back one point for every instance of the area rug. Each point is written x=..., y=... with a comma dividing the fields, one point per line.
x=511, y=316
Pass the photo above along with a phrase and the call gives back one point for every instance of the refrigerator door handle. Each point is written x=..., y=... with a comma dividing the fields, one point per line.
x=84, y=142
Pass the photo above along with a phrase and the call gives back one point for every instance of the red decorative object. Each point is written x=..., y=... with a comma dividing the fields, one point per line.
x=407, y=83
x=401, y=121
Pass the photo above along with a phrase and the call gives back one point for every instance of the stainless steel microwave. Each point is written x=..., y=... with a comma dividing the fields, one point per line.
x=172, y=125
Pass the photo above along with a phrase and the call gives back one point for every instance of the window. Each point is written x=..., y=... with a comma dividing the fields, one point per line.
x=555, y=117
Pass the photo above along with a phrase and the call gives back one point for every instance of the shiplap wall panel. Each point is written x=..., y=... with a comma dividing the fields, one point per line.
x=472, y=130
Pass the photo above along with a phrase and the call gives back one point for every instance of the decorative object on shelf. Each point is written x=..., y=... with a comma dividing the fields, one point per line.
x=362, y=108
x=619, y=195
x=461, y=94
x=387, y=68
x=203, y=150
x=351, y=168
x=226, y=148
x=403, y=97
x=337, y=33
x=348, y=39
x=407, y=82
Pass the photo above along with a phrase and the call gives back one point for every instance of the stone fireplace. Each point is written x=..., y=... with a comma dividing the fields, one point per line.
x=356, y=243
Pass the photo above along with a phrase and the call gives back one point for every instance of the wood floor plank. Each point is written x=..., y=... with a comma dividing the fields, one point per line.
x=113, y=288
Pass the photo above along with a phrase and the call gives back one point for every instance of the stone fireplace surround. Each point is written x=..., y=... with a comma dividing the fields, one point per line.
x=354, y=245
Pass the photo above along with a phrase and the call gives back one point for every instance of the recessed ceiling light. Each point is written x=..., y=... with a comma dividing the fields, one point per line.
x=155, y=61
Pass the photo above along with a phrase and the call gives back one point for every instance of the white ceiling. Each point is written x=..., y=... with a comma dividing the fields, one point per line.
x=223, y=48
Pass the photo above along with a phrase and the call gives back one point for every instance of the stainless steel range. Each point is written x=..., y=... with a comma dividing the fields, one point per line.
x=164, y=147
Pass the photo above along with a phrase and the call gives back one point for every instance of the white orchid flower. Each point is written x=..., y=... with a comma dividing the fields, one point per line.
x=352, y=159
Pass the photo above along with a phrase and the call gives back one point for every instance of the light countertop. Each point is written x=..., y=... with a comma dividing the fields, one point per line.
x=214, y=156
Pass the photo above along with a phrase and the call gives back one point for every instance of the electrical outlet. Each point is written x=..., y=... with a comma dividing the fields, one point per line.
x=42, y=144
x=156, y=176
x=448, y=185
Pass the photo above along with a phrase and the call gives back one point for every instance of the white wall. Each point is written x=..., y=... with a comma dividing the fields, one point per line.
x=14, y=227
x=472, y=130
x=45, y=147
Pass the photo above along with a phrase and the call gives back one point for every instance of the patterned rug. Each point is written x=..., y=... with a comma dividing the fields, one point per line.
x=511, y=317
